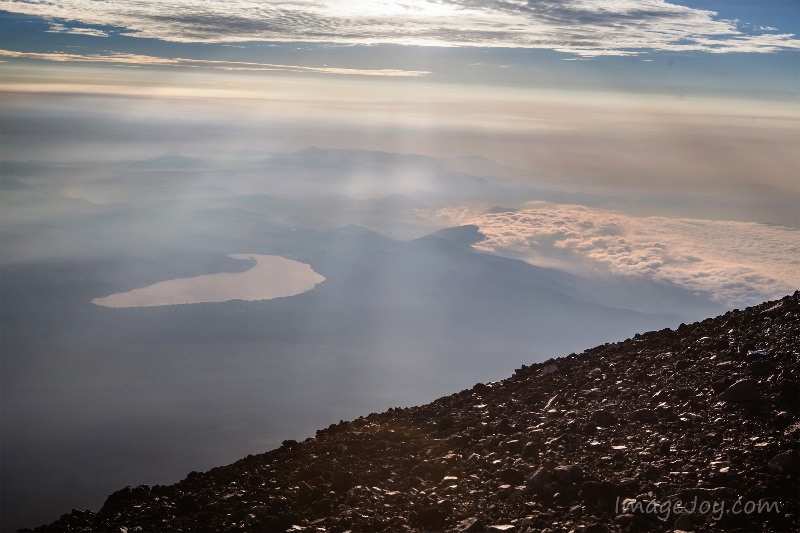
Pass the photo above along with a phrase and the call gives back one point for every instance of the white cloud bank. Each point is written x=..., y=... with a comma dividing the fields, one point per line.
x=733, y=263
x=583, y=27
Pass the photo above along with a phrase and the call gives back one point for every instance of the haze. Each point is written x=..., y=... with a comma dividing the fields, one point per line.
x=280, y=230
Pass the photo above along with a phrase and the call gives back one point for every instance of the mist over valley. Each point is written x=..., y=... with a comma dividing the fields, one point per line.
x=104, y=345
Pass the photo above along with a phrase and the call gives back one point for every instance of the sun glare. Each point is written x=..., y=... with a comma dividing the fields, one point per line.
x=391, y=8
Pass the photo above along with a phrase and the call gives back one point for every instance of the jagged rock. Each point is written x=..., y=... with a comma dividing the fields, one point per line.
x=744, y=390
x=684, y=523
x=126, y=494
x=793, y=431
x=604, y=418
x=432, y=517
x=790, y=394
x=590, y=427
x=597, y=527
x=719, y=386
x=470, y=525
x=545, y=450
x=666, y=413
x=429, y=470
x=531, y=449
x=549, y=369
x=281, y=522
x=644, y=415
x=625, y=521
x=599, y=492
x=786, y=463
x=662, y=396
x=568, y=474
x=342, y=481
x=512, y=476
x=538, y=479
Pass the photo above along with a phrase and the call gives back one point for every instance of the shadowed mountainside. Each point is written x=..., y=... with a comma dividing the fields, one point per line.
x=604, y=441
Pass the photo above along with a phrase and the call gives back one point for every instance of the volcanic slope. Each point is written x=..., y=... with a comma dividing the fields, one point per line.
x=607, y=440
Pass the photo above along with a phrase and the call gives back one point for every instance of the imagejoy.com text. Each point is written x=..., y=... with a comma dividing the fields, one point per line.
x=716, y=509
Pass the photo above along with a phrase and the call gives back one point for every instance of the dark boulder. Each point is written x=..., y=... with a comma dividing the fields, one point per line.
x=744, y=390
x=604, y=418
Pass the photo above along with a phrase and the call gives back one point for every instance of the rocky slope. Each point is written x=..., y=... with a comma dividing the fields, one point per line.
x=692, y=429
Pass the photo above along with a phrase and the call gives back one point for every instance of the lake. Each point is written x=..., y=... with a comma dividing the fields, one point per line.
x=271, y=277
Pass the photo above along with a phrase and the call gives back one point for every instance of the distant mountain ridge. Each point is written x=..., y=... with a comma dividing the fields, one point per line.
x=168, y=161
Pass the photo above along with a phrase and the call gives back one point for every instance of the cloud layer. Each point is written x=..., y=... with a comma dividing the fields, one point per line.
x=583, y=27
x=138, y=59
x=733, y=263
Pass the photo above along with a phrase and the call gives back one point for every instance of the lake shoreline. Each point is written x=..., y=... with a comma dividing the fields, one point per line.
x=271, y=277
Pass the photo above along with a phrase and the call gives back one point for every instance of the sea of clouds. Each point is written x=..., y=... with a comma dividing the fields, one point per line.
x=732, y=263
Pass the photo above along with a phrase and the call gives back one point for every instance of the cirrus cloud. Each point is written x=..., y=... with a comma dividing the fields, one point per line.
x=60, y=28
x=144, y=60
x=585, y=28
x=733, y=263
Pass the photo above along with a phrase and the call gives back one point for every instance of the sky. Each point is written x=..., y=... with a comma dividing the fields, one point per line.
x=527, y=44
x=632, y=108
x=623, y=93
x=690, y=102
